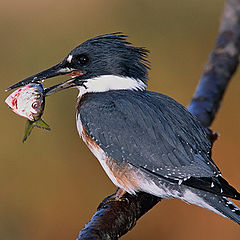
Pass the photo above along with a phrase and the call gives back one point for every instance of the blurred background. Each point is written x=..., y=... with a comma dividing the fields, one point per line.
x=52, y=184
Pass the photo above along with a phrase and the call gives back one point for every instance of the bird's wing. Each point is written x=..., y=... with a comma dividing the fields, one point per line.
x=150, y=131
x=154, y=133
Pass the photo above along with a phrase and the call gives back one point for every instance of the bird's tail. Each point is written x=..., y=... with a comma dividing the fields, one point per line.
x=215, y=203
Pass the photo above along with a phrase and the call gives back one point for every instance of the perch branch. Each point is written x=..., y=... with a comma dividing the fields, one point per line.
x=115, y=218
x=221, y=65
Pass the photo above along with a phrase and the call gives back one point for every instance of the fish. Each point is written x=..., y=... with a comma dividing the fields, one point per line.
x=29, y=102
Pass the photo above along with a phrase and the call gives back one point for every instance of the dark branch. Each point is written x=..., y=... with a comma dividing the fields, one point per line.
x=222, y=64
x=115, y=218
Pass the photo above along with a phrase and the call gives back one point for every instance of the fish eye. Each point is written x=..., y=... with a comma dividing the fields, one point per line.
x=82, y=59
x=35, y=105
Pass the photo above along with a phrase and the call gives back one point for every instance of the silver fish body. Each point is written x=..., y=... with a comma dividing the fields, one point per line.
x=29, y=102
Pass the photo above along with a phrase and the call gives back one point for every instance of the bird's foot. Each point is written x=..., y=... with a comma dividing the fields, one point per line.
x=213, y=136
x=116, y=197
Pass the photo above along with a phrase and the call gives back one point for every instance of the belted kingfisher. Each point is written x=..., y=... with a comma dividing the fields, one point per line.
x=144, y=140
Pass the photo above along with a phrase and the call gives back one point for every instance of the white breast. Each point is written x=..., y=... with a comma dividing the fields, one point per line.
x=97, y=152
x=138, y=181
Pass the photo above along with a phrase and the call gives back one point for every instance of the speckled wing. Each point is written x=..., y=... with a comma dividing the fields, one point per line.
x=150, y=131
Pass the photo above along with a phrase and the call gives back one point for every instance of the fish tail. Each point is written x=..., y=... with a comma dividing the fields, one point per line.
x=42, y=124
x=31, y=124
x=28, y=129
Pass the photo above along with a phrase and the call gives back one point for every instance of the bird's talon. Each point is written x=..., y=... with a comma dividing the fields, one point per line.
x=116, y=197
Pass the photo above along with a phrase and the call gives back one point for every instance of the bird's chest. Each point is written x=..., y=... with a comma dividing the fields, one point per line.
x=123, y=175
x=90, y=142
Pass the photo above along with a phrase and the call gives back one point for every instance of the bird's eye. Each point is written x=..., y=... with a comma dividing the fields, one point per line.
x=82, y=59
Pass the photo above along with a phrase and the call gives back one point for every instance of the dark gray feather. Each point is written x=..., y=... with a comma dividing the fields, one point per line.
x=148, y=130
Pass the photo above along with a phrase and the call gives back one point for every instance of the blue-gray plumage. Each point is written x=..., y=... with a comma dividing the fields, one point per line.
x=145, y=141
x=151, y=135
x=153, y=132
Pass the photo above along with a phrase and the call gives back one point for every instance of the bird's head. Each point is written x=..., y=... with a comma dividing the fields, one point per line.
x=106, y=62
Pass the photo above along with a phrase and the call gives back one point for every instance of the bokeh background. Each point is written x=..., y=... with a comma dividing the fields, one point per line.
x=51, y=185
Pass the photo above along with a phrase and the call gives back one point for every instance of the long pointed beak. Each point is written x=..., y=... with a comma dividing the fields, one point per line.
x=56, y=70
x=64, y=85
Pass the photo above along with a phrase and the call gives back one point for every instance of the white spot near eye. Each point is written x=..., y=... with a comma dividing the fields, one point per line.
x=69, y=59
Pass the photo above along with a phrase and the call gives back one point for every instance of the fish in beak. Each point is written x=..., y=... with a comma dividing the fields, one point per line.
x=28, y=102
